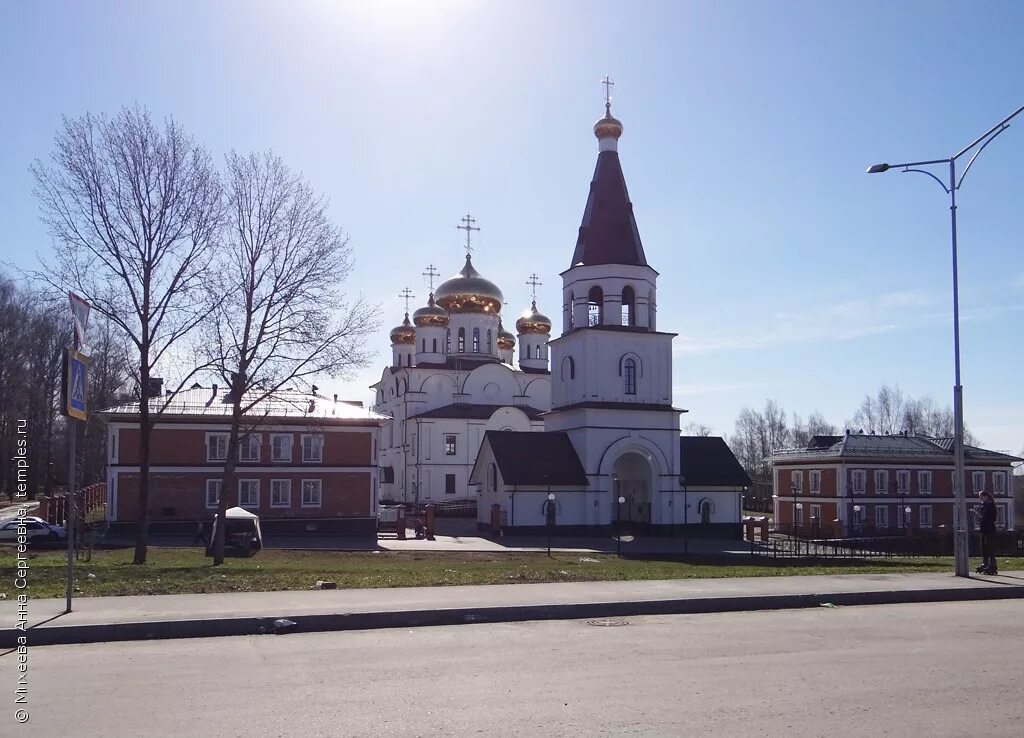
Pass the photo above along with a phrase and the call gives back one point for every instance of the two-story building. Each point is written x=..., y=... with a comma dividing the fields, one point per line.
x=305, y=462
x=862, y=483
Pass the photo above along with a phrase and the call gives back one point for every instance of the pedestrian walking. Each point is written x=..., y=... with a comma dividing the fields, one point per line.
x=986, y=514
x=200, y=537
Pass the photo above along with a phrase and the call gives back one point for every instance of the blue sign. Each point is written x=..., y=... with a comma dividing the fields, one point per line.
x=77, y=389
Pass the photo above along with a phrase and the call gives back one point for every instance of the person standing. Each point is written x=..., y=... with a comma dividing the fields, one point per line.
x=986, y=513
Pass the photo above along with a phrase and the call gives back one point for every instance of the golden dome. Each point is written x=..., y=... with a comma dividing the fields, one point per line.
x=404, y=333
x=533, y=321
x=431, y=315
x=506, y=341
x=608, y=126
x=468, y=292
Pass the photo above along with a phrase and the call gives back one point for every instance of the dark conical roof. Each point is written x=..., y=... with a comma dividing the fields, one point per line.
x=608, y=234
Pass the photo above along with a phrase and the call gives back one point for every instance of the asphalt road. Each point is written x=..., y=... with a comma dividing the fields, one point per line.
x=937, y=670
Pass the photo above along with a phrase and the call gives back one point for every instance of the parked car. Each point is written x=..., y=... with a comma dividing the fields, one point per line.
x=37, y=530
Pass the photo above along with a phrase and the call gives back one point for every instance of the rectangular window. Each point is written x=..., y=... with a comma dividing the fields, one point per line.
x=312, y=448
x=213, y=487
x=216, y=446
x=881, y=482
x=311, y=492
x=280, y=493
x=799, y=513
x=815, y=514
x=249, y=493
x=903, y=482
x=249, y=447
x=815, y=482
x=449, y=484
x=924, y=516
x=797, y=483
x=1001, y=517
x=924, y=482
x=281, y=447
x=902, y=516
x=858, y=515
x=859, y=481
x=881, y=516
x=977, y=481
x=999, y=483
x=449, y=445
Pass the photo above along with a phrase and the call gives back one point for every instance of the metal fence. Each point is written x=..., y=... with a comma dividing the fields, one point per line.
x=1007, y=544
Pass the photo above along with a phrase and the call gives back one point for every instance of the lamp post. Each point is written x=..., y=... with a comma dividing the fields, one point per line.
x=686, y=517
x=960, y=543
x=618, y=525
x=798, y=508
x=792, y=491
x=550, y=515
x=856, y=518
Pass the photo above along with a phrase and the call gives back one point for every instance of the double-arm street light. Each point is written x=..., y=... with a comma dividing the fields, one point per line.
x=960, y=542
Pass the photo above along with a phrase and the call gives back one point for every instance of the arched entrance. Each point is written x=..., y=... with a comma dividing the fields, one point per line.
x=631, y=478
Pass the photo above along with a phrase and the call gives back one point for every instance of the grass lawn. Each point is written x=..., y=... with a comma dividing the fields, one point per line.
x=171, y=570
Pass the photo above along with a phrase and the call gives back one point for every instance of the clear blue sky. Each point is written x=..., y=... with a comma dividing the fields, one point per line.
x=787, y=272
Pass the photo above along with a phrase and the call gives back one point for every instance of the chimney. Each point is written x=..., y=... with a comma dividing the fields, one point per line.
x=335, y=398
x=156, y=387
x=214, y=390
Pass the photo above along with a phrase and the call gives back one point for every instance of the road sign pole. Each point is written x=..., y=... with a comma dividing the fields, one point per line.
x=69, y=526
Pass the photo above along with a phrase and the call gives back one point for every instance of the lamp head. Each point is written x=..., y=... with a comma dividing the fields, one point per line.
x=621, y=500
x=551, y=496
x=878, y=168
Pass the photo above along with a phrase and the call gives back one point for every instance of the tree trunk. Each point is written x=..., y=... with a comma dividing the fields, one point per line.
x=145, y=431
x=228, y=479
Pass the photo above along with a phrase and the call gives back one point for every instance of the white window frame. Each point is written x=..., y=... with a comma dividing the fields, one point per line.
x=858, y=515
x=242, y=482
x=220, y=482
x=1001, y=517
x=273, y=447
x=224, y=438
x=815, y=481
x=312, y=437
x=455, y=444
x=882, y=474
x=274, y=486
x=319, y=493
x=246, y=443
x=798, y=514
x=999, y=483
x=862, y=476
x=900, y=487
x=924, y=482
x=975, y=487
x=924, y=521
x=816, y=513
x=796, y=480
x=881, y=516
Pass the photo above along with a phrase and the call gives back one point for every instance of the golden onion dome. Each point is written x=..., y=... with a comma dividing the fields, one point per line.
x=533, y=321
x=608, y=126
x=404, y=333
x=469, y=292
x=431, y=315
x=506, y=341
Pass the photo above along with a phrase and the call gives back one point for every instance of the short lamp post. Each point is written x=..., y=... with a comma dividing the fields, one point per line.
x=550, y=515
x=798, y=511
x=618, y=525
x=856, y=518
x=906, y=519
x=792, y=492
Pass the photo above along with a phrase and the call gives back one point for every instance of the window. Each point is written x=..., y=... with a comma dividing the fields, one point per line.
x=595, y=306
x=462, y=340
x=797, y=481
x=313, y=448
x=213, y=487
x=903, y=482
x=881, y=481
x=489, y=342
x=568, y=368
x=815, y=514
x=1001, y=516
x=799, y=512
x=492, y=478
x=281, y=447
x=924, y=482
x=423, y=345
x=999, y=483
x=434, y=344
x=311, y=492
x=572, y=317
x=449, y=484
x=628, y=306
x=448, y=341
x=978, y=481
x=249, y=447
x=629, y=375
x=859, y=481
x=216, y=446
x=529, y=351
x=924, y=516
x=816, y=483
x=858, y=515
x=476, y=340
x=881, y=516
x=280, y=493
x=249, y=493
x=449, y=445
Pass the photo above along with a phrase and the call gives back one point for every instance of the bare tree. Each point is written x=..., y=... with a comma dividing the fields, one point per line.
x=816, y=425
x=283, y=319
x=698, y=429
x=890, y=411
x=133, y=208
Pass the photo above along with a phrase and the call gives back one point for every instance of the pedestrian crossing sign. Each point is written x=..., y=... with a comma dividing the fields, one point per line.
x=76, y=385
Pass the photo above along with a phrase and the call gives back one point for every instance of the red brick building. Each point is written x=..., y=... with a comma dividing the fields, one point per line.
x=305, y=462
x=866, y=484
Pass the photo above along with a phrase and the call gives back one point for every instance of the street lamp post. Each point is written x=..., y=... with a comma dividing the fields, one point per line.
x=792, y=491
x=960, y=547
x=618, y=525
x=550, y=515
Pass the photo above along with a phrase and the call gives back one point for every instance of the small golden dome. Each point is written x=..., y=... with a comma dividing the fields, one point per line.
x=469, y=292
x=533, y=321
x=506, y=341
x=431, y=315
x=608, y=126
x=404, y=333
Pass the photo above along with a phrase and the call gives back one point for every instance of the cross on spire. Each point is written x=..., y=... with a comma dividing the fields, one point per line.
x=468, y=225
x=406, y=295
x=534, y=282
x=431, y=273
x=608, y=85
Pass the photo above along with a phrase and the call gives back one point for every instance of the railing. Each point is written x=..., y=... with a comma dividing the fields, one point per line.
x=1006, y=544
x=90, y=504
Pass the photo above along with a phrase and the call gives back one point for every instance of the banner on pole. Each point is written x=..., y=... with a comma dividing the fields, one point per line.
x=76, y=385
x=80, y=313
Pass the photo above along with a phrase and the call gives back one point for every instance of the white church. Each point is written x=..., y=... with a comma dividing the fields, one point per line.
x=586, y=417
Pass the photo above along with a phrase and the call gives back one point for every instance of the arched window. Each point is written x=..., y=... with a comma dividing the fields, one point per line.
x=650, y=310
x=568, y=368
x=492, y=478
x=424, y=347
x=399, y=362
x=476, y=340
x=490, y=344
x=572, y=314
x=629, y=375
x=628, y=306
x=448, y=341
x=529, y=351
x=435, y=345
x=706, y=510
x=462, y=340
x=595, y=306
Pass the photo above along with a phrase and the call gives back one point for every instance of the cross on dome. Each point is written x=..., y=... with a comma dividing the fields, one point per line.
x=431, y=273
x=608, y=85
x=406, y=295
x=534, y=282
x=468, y=225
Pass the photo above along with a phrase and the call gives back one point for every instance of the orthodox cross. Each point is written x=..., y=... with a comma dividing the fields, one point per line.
x=468, y=225
x=406, y=295
x=534, y=282
x=431, y=273
x=608, y=85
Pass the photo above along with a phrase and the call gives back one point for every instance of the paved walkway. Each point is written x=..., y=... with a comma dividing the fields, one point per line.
x=178, y=616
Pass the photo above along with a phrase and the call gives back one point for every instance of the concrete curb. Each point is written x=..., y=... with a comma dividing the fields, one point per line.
x=218, y=627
